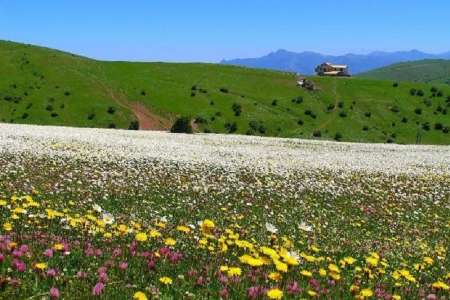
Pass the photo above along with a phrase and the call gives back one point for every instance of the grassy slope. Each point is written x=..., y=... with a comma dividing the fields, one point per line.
x=430, y=71
x=95, y=86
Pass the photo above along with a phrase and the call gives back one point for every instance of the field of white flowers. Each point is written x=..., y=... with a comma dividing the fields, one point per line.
x=359, y=220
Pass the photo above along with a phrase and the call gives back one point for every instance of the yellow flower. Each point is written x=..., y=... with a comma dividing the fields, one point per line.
x=58, y=247
x=428, y=260
x=372, y=261
x=396, y=297
x=333, y=268
x=170, y=242
x=275, y=276
x=183, y=229
x=322, y=272
x=306, y=273
x=234, y=272
x=41, y=266
x=270, y=252
x=312, y=293
x=349, y=260
x=154, y=233
x=207, y=225
x=280, y=266
x=139, y=296
x=7, y=226
x=165, y=280
x=275, y=294
x=440, y=285
x=3, y=203
x=365, y=293
x=250, y=260
x=141, y=237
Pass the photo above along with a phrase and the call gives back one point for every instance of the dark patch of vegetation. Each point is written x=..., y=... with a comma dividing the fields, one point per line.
x=182, y=125
x=368, y=114
x=418, y=111
x=317, y=133
x=91, y=116
x=275, y=102
x=111, y=125
x=134, y=125
x=395, y=109
x=231, y=127
x=224, y=90
x=237, y=108
x=338, y=136
x=111, y=110
x=342, y=114
x=395, y=84
x=257, y=126
x=297, y=100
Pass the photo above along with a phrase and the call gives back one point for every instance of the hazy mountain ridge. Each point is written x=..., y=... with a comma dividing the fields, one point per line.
x=305, y=62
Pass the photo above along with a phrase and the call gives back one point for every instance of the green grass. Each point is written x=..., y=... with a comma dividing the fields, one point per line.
x=39, y=77
x=428, y=71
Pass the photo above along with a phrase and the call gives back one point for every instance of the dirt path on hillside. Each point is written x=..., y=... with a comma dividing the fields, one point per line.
x=147, y=119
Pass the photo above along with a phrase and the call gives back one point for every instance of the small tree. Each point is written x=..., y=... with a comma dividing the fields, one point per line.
x=182, y=125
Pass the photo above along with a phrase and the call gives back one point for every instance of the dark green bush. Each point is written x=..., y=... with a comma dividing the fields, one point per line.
x=237, y=108
x=317, y=133
x=134, y=125
x=111, y=110
x=338, y=136
x=182, y=125
x=418, y=111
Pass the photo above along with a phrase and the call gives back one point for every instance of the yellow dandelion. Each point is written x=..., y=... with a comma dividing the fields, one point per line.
x=306, y=273
x=170, y=242
x=275, y=294
x=41, y=266
x=141, y=237
x=166, y=280
x=365, y=293
x=139, y=296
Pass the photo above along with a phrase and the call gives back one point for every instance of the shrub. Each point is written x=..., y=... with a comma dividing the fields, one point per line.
x=338, y=136
x=317, y=133
x=331, y=107
x=134, y=125
x=297, y=100
x=91, y=116
x=275, y=102
x=194, y=88
x=29, y=106
x=420, y=93
x=404, y=120
x=439, y=94
x=426, y=126
x=182, y=125
x=49, y=107
x=111, y=125
x=237, y=108
x=192, y=94
x=231, y=127
x=395, y=109
x=342, y=114
x=433, y=89
x=308, y=112
x=438, y=126
x=54, y=115
x=67, y=93
x=395, y=84
x=111, y=110
x=390, y=140
x=446, y=129
x=143, y=93
x=211, y=103
x=365, y=128
x=224, y=90
x=300, y=122
x=341, y=104
x=427, y=102
x=256, y=126
x=418, y=111
x=25, y=115
x=368, y=114
x=413, y=92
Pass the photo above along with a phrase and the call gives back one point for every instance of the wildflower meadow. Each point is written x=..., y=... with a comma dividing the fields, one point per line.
x=112, y=214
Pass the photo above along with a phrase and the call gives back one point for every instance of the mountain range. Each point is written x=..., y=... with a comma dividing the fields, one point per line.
x=305, y=62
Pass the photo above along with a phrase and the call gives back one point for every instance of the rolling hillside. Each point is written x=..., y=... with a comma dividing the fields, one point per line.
x=45, y=86
x=430, y=71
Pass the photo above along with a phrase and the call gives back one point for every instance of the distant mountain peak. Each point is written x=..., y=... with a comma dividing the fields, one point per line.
x=305, y=62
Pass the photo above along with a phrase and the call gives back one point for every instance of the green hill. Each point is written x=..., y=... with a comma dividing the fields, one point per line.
x=45, y=86
x=429, y=71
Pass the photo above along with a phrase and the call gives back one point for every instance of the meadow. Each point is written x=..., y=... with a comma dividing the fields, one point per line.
x=116, y=214
x=49, y=87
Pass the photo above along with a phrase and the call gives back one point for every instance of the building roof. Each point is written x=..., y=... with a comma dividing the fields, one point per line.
x=336, y=66
x=332, y=73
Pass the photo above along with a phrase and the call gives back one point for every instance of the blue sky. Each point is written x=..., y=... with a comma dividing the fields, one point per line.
x=199, y=30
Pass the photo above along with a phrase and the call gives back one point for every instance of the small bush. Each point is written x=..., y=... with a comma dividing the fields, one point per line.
x=438, y=126
x=426, y=126
x=297, y=100
x=342, y=114
x=446, y=129
x=24, y=116
x=134, y=125
x=49, y=107
x=368, y=114
x=300, y=122
x=395, y=109
x=182, y=125
x=111, y=125
x=404, y=120
x=91, y=116
x=341, y=104
x=418, y=111
x=317, y=133
x=338, y=136
x=395, y=84
x=331, y=107
x=275, y=102
x=67, y=93
x=224, y=90
x=413, y=92
x=111, y=110
x=420, y=93
x=143, y=93
x=53, y=115
x=231, y=127
x=365, y=128
x=433, y=89
x=194, y=88
x=237, y=108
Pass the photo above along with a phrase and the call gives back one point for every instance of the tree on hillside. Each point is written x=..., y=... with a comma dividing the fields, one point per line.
x=182, y=125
